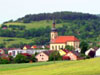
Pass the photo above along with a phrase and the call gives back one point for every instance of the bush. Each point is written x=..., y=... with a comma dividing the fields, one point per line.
x=21, y=59
x=33, y=59
x=4, y=61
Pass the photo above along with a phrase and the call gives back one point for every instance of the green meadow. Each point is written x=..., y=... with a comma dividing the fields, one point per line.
x=80, y=67
x=14, y=40
x=34, y=24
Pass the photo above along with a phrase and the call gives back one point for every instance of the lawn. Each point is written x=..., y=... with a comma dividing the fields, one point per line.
x=82, y=67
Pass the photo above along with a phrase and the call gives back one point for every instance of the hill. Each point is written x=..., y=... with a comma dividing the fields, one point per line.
x=84, y=26
x=82, y=67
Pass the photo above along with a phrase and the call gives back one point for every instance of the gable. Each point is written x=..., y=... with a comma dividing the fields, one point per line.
x=41, y=53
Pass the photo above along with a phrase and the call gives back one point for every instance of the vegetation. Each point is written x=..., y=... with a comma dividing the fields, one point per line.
x=83, y=67
x=84, y=47
x=54, y=56
x=84, y=26
x=21, y=59
x=69, y=47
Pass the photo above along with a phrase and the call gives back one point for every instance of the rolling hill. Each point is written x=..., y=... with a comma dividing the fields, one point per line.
x=84, y=26
x=82, y=67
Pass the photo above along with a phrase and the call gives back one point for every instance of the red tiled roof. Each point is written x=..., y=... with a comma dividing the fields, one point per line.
x=64, y=39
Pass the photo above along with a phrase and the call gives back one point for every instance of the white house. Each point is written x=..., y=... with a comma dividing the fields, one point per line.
x=97, y=54
x=88, y=51
x=78, y=50
x=18, y=51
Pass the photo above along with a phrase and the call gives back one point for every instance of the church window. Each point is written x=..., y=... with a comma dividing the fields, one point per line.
x=52, y=47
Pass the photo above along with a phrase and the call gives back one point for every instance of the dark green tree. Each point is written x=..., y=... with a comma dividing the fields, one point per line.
x=69, y=47
x=84, y=46
x=54, y=56
x=2, y=45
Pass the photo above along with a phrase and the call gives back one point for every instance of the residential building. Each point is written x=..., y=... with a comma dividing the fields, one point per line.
x=71, y=55
x=97, y=54
x=43, y=56
x=20, y=51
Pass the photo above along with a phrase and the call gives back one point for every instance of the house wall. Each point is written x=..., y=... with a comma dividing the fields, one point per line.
x=62, y=45
x=42, y=57
x=57, y=46
x=24, y=48
x=97, y=53
x=72, y=56
x=74, y=44
x=2, y=51
x=54, y=35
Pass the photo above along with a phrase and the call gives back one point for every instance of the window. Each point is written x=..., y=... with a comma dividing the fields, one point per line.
x=56, y=47
x=42, y=58
x=13, y=53
x=62, y=47
x=59, y=46
x=52, y=47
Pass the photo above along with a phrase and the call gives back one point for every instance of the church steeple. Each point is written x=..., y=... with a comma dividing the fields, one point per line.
x=53, y=24
x=53, y=27
x=54, y=33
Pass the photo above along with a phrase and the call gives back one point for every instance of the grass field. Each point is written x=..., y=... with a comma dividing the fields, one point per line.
x=35, y=24
x=82, y=67
x=14, y=40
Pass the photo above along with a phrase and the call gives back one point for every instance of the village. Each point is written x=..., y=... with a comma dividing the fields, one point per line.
x=60, y=48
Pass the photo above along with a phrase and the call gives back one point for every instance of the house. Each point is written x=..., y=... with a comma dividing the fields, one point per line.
x=26, y=47
x=58, y=42
x=71, y=55
x=15, y=52
x=43, y=56
x=97, y=54
x=34, y=47
x=63, y=52
x=78, y=50
x=89, y=50
x=2, y=51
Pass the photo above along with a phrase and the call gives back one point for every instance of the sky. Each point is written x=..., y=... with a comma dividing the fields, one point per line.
x=14, y=9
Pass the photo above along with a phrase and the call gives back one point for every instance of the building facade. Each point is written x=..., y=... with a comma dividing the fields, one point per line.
x=59, y=42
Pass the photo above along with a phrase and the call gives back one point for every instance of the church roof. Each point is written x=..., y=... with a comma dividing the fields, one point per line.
x=64, y=39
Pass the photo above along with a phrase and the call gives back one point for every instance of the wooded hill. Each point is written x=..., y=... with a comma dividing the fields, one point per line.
x=83, y=26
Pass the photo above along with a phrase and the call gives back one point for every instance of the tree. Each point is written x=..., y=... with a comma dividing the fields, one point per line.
x=2, y=45
x=21, y=59
x=33, y=59
x=69, y=47
x=84, y=46
x=55, y=56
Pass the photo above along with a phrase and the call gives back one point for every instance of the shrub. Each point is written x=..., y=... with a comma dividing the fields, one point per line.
x=21, y=59
x=4, y=61
x=33, y=59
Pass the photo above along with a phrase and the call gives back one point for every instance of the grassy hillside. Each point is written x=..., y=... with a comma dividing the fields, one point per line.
x=83, y=67
x=35, y=24
x=14, y=40
x=83, y=26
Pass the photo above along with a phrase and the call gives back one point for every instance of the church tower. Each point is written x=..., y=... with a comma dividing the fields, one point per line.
x=54, y=33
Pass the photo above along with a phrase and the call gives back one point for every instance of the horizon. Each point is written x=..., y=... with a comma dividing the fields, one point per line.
x=14, y=9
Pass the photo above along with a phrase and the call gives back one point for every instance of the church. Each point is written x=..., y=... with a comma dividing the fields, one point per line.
x=59, y=42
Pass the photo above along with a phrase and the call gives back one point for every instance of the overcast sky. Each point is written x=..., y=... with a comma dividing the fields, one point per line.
x=13, y=9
